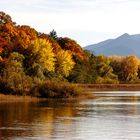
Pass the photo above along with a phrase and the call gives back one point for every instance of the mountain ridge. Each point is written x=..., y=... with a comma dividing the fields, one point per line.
x=123, y=45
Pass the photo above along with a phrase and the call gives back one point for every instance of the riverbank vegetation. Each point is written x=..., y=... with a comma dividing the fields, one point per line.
x=109, y=87
x=13, y=98
x=44, y=65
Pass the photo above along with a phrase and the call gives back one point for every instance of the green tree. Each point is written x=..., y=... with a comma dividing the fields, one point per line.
x=53, y=35
x=105, y=71
x=14, y=75
x=84, y=71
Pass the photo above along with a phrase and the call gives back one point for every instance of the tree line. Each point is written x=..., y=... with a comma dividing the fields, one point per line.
x=28, y=58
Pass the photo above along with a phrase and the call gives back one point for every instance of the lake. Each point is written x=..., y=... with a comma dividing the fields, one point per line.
x=111, y=116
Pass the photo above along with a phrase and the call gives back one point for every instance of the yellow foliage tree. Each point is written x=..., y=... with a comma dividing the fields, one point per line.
x=42, y=53
x=64, y=62
x=130, y=67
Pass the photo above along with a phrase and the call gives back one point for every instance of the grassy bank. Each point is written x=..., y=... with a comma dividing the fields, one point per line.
x=44, y=90
x=15, y=98
x=48, y=90
x=55, y=90
x=110, y=87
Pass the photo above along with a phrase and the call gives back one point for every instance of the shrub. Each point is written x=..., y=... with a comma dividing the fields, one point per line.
x=14, y=77
x=4, y=88
x=106, y=80
x=51, y=89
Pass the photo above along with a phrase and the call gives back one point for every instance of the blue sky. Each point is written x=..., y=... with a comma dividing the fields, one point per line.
x=86, y=21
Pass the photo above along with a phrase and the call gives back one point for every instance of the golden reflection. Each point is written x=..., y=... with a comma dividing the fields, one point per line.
x=45, y=119
x=134, y=101
x=50, y=116
x=51, y=119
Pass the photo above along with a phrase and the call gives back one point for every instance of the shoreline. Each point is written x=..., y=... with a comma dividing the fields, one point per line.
x=17, y=98
x=85, y=94
x=110, y=87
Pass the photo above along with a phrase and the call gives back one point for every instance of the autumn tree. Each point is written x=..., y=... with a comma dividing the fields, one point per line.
x=71, y=45
x=130, y=67
x=40, y=56
x=64, y=62
x=2, y=44
x=116, y=64
x=30, y=32
x=17, y=38
x=5, y=18
x=54, y=43
x=8, y=33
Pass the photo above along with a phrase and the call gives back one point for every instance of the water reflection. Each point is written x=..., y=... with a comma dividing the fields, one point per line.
x=104, y=118
x=35, y=119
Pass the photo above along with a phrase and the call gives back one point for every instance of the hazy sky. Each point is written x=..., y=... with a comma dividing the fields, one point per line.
x=86, y=21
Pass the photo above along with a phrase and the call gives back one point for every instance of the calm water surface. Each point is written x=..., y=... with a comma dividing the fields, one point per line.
x=111, y=116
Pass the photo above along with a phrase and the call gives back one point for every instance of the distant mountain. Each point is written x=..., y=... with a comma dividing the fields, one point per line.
x=123, y=45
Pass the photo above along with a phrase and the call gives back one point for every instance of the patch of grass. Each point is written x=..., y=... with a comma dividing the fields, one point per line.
x=110, y=87
x=52, y=89
x=15, y=98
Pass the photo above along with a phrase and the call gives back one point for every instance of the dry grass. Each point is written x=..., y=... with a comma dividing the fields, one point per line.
x=47, y=91
x=84, y=88
x=53, y=89
x=110, y=87
x=15, y=98
x=84, y=91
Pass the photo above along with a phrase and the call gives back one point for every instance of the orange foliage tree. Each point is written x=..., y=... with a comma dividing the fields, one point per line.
x=130, y=67
x=71, y=45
